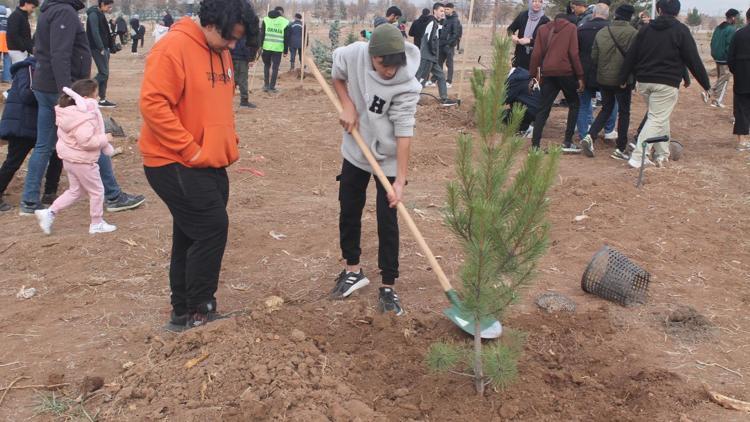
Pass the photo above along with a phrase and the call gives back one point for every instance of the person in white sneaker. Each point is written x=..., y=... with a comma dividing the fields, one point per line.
x=81, y=139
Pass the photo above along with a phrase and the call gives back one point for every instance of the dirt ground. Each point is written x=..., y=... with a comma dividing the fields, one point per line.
x=102, y=300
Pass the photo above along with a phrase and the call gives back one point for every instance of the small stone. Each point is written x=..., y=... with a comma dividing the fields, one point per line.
x=298, y=336
x=401, y=392
x=579, y=192
x=553, y=302
x=91, y=384
x=273, y=303
x=128, y=365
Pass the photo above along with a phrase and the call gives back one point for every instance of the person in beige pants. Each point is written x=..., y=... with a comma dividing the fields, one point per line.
x=660, y=100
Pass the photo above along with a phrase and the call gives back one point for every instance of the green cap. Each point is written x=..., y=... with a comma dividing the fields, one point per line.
x=386, y=40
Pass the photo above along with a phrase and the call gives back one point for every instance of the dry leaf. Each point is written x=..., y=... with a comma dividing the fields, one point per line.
x=194, y=361
x=277, y=236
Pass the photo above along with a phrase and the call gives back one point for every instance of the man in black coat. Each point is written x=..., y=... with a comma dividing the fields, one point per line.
x=418, y=26
x=121, y=29
x=20, y=44
x=739, y=64
x=100, y=42
x=63, y=56
x=168, y=20
x=449, y=37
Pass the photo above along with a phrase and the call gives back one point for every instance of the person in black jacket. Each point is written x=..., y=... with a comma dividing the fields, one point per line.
x=661, y=51
x=167, y=19
x=523, y=32
x=449, y=37
x=63, y=56
x=20, y=44
x=121, y=29
x=739, y=64
x=135, y=24
x=241, y=57
x=417, y=27
x=100, y=42
x=18, y=127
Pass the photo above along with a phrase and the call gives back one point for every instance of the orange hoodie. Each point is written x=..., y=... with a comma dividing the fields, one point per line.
x=186, y=102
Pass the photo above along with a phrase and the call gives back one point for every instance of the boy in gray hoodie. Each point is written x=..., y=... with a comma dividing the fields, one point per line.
x=379, y=95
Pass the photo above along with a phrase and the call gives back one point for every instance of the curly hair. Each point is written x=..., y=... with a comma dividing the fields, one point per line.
x=225, y=14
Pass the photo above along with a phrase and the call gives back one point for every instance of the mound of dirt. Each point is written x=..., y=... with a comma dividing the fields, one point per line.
x=276, y=366
x=687, y=324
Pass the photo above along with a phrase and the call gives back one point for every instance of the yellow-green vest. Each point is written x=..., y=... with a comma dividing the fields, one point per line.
x=274, y=37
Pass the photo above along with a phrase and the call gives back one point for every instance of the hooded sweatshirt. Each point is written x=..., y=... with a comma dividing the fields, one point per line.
x=417, y=28
x=556, y=50
x=186, y=102
x=386, y=108
x=430, y=47
x=660, y=53
x=60, y=46
x=80, y=131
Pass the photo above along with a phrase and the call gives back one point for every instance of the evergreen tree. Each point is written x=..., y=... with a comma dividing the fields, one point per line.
x=694, y=18
x=323, y=53
x=500, y=218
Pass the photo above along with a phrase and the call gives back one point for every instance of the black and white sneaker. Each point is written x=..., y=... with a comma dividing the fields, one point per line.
x=347, y=283
x=107, y=104
x=388, y=301
x=124, y=201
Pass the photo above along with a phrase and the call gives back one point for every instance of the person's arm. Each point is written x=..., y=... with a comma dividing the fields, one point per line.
x=575, y=59
x=515, y=26
x=62, y=35
x=262, y=35
x=98, y=44
x=348, y=118
x=402, y=114
x=629, y=63
x=87, y=138
x=411, y=29
x=691, y=58
x=403, y=148
x=159, y=98
x=536, y=56
x=732, y=55
x=287, y=34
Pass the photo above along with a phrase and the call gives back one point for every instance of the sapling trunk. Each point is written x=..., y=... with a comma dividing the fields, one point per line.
x=478, y=370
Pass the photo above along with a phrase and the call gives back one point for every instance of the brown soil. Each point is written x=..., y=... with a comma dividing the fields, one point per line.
x=101, y=301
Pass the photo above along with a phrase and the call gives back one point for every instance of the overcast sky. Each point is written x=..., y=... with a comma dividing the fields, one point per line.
x=715, y=7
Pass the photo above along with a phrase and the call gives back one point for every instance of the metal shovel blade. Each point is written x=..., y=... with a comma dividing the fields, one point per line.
x=490, y=327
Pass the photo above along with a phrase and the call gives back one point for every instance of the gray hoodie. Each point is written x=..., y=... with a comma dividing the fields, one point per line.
x=386, y=107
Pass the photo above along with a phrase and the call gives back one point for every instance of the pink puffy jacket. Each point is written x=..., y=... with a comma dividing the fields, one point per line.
x=80, y=130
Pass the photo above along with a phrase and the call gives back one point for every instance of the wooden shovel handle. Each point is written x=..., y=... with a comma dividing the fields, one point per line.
x=444, y=283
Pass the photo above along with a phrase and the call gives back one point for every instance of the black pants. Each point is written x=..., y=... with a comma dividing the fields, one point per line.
x=295, y=52
x=551, y=86
x=445, y=58
x=352, y=197
x=197, y=200
x=18, y=149
x=270, y=58
x=102, y=67
x=741, y=114
x=134, y=47
x=610, y=97
x=122, y=37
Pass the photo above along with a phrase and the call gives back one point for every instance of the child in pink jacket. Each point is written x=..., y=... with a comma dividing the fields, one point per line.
x=80, y=140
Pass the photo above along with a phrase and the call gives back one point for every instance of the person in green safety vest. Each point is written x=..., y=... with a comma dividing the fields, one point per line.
x=274, y=40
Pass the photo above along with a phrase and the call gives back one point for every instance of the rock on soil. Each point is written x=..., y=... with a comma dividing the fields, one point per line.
x=552, y=302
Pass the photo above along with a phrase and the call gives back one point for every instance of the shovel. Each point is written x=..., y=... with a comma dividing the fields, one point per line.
x=488, y=327
x=656, y=139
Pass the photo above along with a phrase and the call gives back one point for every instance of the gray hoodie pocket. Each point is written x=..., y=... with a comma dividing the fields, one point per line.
x=383, y=149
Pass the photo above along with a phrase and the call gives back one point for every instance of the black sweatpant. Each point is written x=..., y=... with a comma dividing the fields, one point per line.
x=293, y=53
x=551, y=86
x=352, y=198
x=270, y=58
x=18, y=149
x=741, y=114
x=134, y=47
x=610, y=97
x=197, y=200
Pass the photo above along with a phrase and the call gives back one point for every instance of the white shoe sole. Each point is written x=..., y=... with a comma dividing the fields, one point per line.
x=356, y=286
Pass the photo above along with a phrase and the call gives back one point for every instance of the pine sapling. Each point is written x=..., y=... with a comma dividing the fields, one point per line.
x=497, y=207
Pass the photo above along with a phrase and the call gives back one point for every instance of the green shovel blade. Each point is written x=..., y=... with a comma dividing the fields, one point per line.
x=490, y=327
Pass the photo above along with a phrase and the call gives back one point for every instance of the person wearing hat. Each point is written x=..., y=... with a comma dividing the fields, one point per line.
x=379, y=94
x=720, y=40
x=659, y=72
x=738, y=60
x=607, y=55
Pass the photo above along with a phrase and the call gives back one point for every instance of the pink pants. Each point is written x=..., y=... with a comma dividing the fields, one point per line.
x=82, y=178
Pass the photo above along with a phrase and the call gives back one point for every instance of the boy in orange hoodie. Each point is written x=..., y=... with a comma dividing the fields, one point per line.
x=187, y=140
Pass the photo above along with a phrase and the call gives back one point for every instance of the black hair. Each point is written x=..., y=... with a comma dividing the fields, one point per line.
x=34, y=2
x=105, y=2
x=279, y=9
x=425, y=11
x=450, y=5
x=225, y=14
x=669, y=7
x=436, y=5
x=732, y=13
x=393, y=10
x=396, y=59
x=747, y=15
x=297, y=16
x=82, y=87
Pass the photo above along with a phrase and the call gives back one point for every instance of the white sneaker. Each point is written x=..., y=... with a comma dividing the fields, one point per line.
x=632, y=162
x=429, y=83
x=449, y=85
x=611, y=136
x=45, y=218
x=587, y=144
x=662, y=162
x=102, y=227
x=529, y=132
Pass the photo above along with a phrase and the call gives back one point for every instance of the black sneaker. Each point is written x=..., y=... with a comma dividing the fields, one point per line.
x=4, y=206
x=107, y=104
x=448, y=102
x=48, y=198
x=124, y=202
x=388, y=301
x=247, y=104
x=28, y=208
x=273, y=91
x=347, y=283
